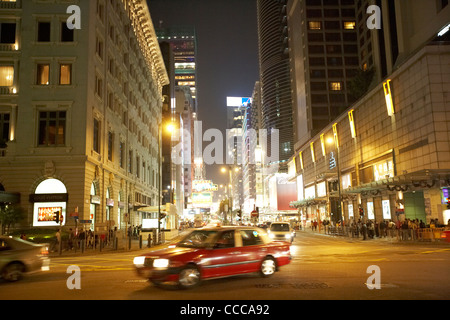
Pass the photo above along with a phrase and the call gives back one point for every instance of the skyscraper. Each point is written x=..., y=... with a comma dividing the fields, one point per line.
x=276, y=105
x=324, y=58
x=183, y=40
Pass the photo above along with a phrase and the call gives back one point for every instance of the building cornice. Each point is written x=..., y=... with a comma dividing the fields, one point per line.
x=144, y=30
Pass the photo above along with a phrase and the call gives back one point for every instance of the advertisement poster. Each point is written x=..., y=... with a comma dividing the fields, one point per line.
x=370, y=211
x=386, y=210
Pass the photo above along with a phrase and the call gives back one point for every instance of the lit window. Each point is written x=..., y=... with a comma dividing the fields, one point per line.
x=336, y=86
x=43, y=74
x=349, y=25
x=6, y=76
x=315, y=25
x=65, y=74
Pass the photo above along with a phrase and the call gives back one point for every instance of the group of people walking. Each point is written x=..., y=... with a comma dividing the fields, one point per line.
x=406, y=230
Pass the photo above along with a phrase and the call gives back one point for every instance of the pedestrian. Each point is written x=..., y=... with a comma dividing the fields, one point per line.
x=382, y=228
x=70, y=240
x=364, y=230
x=82, y=239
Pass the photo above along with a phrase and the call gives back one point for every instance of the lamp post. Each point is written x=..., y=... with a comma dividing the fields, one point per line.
x=339, y=205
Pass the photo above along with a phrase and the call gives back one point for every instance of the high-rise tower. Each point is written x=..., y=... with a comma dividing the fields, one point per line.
x=276, y=108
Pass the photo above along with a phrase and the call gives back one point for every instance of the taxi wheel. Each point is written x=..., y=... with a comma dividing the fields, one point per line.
x=268, y=267
x=13, y=272
x=189, y=277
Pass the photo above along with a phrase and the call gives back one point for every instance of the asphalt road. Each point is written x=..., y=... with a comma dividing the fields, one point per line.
x=323, y=268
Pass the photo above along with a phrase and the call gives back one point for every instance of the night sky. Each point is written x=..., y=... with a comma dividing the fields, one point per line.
x=227, y=53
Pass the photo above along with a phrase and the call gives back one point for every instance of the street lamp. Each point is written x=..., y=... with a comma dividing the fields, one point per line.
x=331, y=141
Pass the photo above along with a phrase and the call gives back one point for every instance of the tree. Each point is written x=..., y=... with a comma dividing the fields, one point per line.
x=10, y=215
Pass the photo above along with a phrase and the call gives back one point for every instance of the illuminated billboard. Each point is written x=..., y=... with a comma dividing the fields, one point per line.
x=238, y=101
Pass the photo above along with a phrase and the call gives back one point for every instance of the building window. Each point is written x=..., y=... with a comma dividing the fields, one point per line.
x=122, y=154
x=4, y=129
x=315, y=25
x=99, y=86
x=8, y=33
x=349, y=25
x=65, y=74
x=99, y=48
x=110, y=146
x=43, y=74
x=52, y=128
x=6, y=76
x=138, y=167
x=130, y=161
x=67, y=35
x=335, y=86
x=44, y=31
x=96, y=136
x=442, y=4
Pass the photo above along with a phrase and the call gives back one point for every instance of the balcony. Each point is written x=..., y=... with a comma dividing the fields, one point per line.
x=8, y=91
x=8, y=46
x=8, y=4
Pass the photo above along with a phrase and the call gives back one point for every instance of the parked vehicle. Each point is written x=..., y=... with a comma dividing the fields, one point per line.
x=212, y=253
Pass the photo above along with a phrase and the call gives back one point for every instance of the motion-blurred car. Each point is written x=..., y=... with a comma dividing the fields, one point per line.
x=18, y=257
x=213, y=253
x=281, y=231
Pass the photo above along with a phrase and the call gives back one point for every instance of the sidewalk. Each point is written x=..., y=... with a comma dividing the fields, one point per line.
x=122, y=248
x=387, y=240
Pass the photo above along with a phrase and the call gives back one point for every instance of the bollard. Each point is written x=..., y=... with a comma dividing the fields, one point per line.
x=82, y=245
x=140, y=241
x=129, y=243
x=101, y=244
x=116, y=243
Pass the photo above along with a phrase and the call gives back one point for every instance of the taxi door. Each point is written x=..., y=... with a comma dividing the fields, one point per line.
x=222, y=259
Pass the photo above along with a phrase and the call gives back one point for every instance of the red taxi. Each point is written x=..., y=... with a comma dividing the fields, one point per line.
x=212, y=253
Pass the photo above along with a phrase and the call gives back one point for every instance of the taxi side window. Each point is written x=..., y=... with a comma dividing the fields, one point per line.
x=225, y=240
x=4, y=246
x=251, y=238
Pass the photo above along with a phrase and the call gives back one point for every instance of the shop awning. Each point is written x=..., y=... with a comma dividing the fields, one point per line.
x=419, y=179
x=8, y=197
x=308, y=202
x=168, y=208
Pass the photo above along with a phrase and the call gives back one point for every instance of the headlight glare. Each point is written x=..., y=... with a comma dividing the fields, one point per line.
x=139, y=261
x=161, y=263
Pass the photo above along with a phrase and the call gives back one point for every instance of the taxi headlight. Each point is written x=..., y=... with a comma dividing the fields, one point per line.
x=139, y=261
x=271, y=235
x=161, y=263
x=288, y=236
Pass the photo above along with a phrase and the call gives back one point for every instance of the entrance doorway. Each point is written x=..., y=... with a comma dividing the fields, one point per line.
x=414, y=205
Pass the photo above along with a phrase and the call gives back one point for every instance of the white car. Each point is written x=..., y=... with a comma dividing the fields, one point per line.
x=281, y=231
x=18, y=257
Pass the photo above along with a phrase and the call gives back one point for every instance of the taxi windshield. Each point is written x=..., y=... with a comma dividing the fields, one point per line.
x=198, y=239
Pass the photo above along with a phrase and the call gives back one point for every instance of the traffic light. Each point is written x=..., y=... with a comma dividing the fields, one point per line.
x=56, y=216
x=361, y=212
